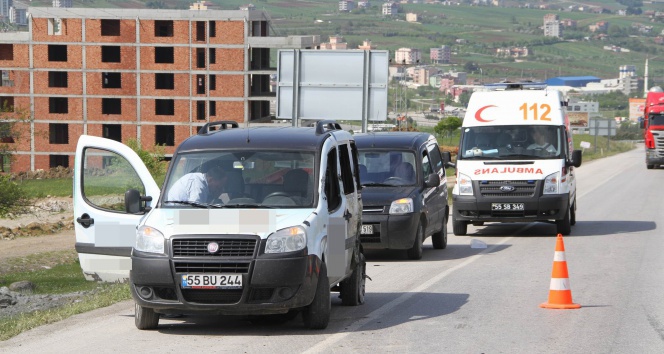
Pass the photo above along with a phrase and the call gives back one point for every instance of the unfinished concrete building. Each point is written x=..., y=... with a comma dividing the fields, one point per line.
x=151, y=75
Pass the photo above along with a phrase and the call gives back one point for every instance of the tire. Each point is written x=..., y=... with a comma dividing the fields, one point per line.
x=459, y=227
x=317, y=314
x=415, y=252
x=353, y=288
x=572, y=215
x=650, y=167
x=439, y=239
x=145, y=318
x=564, y=226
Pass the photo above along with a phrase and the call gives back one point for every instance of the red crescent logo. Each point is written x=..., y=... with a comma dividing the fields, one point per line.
x=479, y=112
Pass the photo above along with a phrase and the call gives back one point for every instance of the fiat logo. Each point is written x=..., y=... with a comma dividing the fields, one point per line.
x=505, y=189
x=213, y=247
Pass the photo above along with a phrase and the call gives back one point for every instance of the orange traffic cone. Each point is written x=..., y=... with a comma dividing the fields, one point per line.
x=560, y=294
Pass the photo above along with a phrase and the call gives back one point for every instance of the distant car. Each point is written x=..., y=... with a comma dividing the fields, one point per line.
x=404, y=191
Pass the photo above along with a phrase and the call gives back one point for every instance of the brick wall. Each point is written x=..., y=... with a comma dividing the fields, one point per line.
x=230, y=110
x=180, y=54
x=127, y=59
x=128, y=111
x=229, y=32
x=94, y=82
x=75, y=105
x=229, y=86
x=42, y=142
x=74, y=84
x=127, y=32
x=180, y=32
x=74, y=58
x=128, y=131
x=20, y=56
x=71, y=30
x=148, y=112
x=180, y=86
x=229, y=59
x=21, y=80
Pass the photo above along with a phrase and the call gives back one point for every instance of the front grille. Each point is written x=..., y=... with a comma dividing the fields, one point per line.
x=222, y=296
x=227, y=247
x=226, y=267
x=491, y=189
x=165, y=293
x=658, y=136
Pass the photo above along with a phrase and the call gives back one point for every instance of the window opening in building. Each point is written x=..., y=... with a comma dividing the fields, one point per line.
x=213, y=55
x=164, y=107
x=164, y=81
x=6, y=103
x=111, y=80
x=164, y=135
x=213, y=29
x=200, y=110
x=112, y=131
x=58, y=133
x=200, y=57
x=164, y=55
x=212, y=82
x=111, y=106
x=57, y=52
x=6, y=52
x=163, y=28
x=5, y=163
x=200, y=31
x=55, y=26
x=6, y=82
x=110, y=27
x=213, y=108
x=58, y=105
x=110, y=54
x=58, y=161
x=6, y=133
x=57, y=79
x=200, y=84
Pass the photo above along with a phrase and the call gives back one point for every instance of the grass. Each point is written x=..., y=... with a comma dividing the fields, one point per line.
x=106, y=295
x=64, y=277
x=40, y=188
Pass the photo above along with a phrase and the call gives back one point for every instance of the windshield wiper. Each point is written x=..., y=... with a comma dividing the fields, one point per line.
x=195, y=204
x=483, y=157
x=244, y=205
x=376, y=184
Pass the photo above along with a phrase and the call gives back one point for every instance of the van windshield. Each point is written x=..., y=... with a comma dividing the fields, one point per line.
x=241, y=179
x=512, y=142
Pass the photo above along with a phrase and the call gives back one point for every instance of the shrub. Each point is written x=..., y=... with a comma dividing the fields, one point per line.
x=12, y=197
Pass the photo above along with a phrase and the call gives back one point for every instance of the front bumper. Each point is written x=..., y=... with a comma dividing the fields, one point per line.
x=390, y=231
x=270, y=286
x=543, y=208
x=654, y=157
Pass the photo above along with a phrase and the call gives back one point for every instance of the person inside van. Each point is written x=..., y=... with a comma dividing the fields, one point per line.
x=540, y=141
x=198, y=187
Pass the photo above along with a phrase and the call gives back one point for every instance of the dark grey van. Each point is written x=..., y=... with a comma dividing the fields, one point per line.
x=404, y=191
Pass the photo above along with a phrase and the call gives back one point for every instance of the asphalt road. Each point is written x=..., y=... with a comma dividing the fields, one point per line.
x=457, y=300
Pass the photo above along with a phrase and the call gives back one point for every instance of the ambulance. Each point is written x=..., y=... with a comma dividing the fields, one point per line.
x=516, y=160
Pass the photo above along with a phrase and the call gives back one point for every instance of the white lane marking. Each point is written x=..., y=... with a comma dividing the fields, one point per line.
x=326, y=344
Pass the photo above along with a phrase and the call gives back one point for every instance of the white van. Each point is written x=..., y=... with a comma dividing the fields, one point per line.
x=516, y=159
x=280, y=233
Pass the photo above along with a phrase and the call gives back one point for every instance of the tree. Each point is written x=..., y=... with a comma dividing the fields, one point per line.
x=154, y=161
x=447, y=126
x=12, y=196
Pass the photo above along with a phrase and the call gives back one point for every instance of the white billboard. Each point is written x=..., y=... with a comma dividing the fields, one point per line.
x=332, y=84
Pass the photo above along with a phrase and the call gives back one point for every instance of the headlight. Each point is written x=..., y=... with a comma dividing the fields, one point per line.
x=149, y=239
x=465, y=184
x=551, y=184
x=286, y=240
x=402, y=206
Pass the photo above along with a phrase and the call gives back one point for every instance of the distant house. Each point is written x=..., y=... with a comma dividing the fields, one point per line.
x=366, y=45
x=346, y=6
x=390, y=8
x=408, y=56
x=600, y=26
x=411, y=17
x=440, y=55
x=335, y=43
x=513, y=52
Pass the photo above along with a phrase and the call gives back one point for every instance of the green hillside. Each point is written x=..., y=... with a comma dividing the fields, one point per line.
x=484, y=28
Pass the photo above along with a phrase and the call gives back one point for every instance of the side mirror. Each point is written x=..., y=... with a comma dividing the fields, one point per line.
x=447, y=160
x=134, y=202
x=433, y=180
x=576, y=159
x=642, y=124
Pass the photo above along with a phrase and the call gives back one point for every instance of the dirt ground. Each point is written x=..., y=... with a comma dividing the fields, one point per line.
x=47, y=226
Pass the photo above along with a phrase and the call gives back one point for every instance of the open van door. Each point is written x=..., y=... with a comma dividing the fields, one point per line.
x=104, y=170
